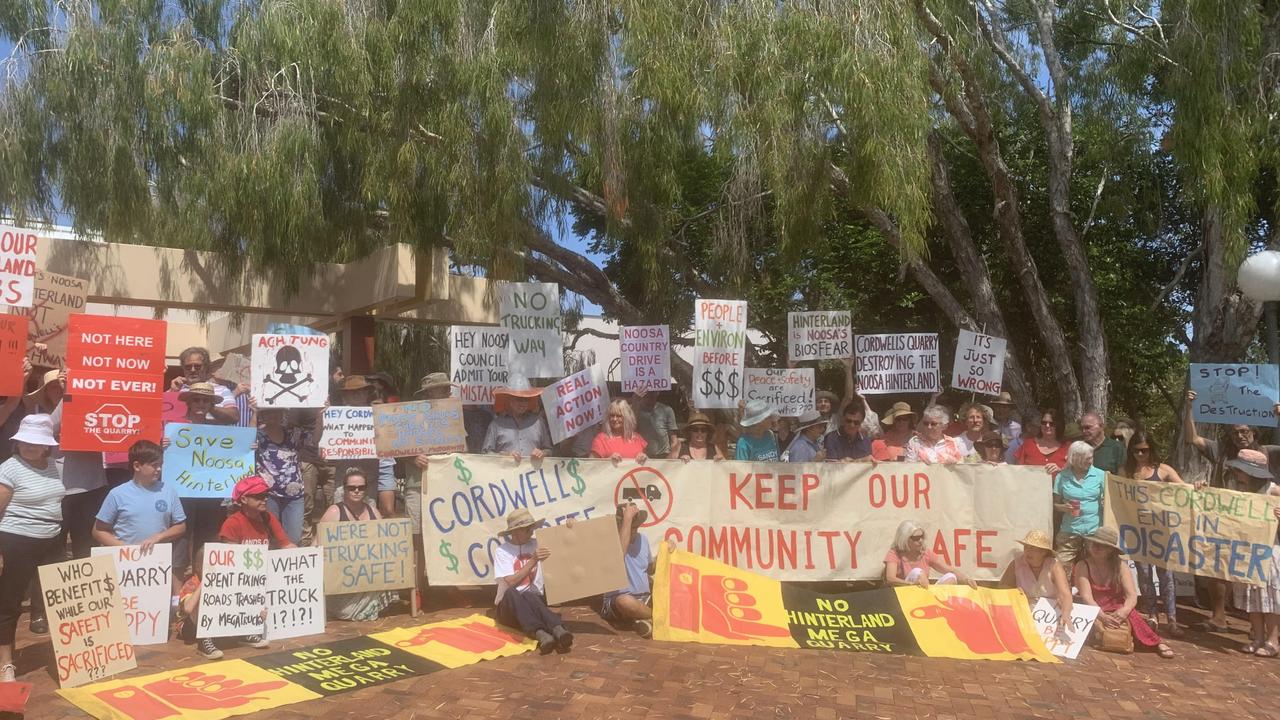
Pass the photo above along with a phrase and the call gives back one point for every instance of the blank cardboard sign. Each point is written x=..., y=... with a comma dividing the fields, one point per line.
x=585, y=560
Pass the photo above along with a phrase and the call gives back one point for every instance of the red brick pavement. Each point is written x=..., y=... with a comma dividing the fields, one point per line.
x=613, y=674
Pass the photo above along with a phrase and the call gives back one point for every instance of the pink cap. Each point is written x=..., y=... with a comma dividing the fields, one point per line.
x=251, y=485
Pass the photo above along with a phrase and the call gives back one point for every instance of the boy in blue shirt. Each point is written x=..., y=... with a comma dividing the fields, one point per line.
x=143, y=511
x=633, y=603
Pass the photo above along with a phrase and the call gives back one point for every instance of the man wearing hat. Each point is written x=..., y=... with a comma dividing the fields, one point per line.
x=197, y=368
x=757, y=441
x=517, y=563
x=517, y=429
x=807, y=445
x=849, y=443
x=633, y=603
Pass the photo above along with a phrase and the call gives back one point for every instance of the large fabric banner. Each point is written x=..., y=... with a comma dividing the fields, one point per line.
x=239, y=687
x=703, y=601
x=803, y=521
x=1211, y=532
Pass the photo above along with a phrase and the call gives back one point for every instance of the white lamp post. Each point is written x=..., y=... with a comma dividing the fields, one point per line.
x=1259, y=279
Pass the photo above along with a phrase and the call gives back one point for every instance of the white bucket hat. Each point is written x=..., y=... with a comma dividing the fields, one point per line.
x=36, y=430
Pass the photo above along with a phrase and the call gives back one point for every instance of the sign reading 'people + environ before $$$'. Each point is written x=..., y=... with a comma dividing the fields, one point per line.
x=801, y=521
x=719, y=353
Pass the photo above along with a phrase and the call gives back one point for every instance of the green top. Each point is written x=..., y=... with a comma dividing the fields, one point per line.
x=1109, y=455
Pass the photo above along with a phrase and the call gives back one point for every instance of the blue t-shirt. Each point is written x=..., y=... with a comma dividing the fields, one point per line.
x=137, y=513
x=762, y=449
x=1088, y=491
x=636, y=559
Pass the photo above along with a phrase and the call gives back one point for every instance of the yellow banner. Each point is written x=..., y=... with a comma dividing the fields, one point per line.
x=704, y=601
x=1211, y=532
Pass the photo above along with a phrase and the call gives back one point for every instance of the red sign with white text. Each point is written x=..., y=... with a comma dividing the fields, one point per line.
x=112, y=384
x=116, y=344
x=94, y=423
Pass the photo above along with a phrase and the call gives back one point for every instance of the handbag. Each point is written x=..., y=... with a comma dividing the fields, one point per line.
x=1115, y=640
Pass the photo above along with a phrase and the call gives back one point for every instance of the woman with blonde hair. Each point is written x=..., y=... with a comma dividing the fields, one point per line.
x=619, y=440
x=909, y=561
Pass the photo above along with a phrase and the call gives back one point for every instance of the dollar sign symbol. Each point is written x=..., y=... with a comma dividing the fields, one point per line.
x=253, y=559
x=464, y=473
x=450, y=558
x=706, y=383
x=579, y=485
x=734, y=386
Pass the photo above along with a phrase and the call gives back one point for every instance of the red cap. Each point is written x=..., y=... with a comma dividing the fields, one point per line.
x=251, y=485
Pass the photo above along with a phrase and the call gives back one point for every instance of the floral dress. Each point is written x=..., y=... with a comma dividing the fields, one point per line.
x=279, y=465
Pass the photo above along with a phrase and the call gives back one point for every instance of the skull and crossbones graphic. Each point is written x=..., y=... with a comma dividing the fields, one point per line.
x=287, y=376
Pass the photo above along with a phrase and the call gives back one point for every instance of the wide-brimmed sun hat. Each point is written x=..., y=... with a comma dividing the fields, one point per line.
x=1003, y=398
x=1252, y=463
x=809, y=419
x=355, y=382
x=1105, y=536
x=47, y=379
x=521, y=518
x=756, y=412
x=899, y=409
x=991, y=438
x=36, y=430
x=200, y=389
x=431, y=381
x=518, y=387
x=699, y=420
x=1037, y=539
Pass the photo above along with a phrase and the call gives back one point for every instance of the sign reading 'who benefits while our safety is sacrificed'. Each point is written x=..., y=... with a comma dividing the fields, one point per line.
x=821, y=521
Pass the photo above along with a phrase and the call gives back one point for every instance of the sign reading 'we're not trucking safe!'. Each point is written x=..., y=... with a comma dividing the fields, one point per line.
x=115, y=376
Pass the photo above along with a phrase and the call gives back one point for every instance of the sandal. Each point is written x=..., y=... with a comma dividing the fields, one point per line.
x=1164, y=651
x=1249, y=648
x=1267, y=651
x=1208, y=626
x=1175, y=630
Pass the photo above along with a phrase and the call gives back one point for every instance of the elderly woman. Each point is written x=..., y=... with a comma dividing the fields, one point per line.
x=909, y=561
x=892, y=445
x=700, y=431
x=1037, y=573
x=355, y=506
x=1143, y=463
x=1044, y=446
x=931, y=446
x=1077, y=494
x=1103, y=580
x=1261, y=602
x=31, y=495
x=619, y=440
x=974, y=418
x=757, y=441
x=991, y=448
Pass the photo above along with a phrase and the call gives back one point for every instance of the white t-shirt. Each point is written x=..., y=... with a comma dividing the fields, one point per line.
x=508, y=558
x=35, y=510
x=226, y=397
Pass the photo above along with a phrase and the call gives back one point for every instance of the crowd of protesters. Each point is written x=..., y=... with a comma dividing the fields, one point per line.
x=55, y=504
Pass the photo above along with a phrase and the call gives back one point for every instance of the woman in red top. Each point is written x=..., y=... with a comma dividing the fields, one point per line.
x=249, y=522
x=1046, y=447
x=619, y=439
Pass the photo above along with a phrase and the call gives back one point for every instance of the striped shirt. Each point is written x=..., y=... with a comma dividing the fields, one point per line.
x=35, y=510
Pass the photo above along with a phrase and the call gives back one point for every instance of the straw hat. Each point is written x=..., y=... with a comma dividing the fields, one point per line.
x=355, y=382
x=49, y=377
x=697, y=419
x=518, y=387
x=899, y=409
x=521, y=518
x=1003, y=398
x=756, y=412
x=200, y=389
x=36, y=430
x=1037, y=539
x=430, y=381
x=1106, y=536
x=809, y=419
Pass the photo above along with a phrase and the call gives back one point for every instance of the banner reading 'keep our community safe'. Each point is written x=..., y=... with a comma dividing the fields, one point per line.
x=802, y=521
x=1211, y=532
x=703, y=601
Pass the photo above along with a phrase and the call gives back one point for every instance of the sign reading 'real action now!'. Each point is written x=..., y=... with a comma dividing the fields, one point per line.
x=115, y=375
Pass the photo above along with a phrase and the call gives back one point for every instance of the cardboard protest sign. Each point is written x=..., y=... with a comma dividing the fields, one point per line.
x=576, y=403
x=206, y=461
x=348, y=434
x=478, y=362
x=233, y=591
x=1234, y=394
x=56, y=298
x=531, y=313
x=585, y=560
x=13, y=350
x=87, y=625
x=1210, y=532
x=1068, y=642
x=367, y=555
x=896, y=363
x=145, y=581
x=831, y=521
x=979, y=363
x=295, y=593
x=954, y=621
x=645, y=358
x=422, y=427
x=235, y=368
x=790, y=392
x=115, y=375
x=290, y=371
x=823, y=335
x=719, y=353
x=17, y=266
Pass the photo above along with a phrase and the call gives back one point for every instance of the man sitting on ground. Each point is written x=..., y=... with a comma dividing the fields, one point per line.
x=635, y=602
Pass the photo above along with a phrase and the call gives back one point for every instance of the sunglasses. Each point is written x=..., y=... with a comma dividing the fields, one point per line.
x=257, y=496
x=193, y=366
x=356, y=488
x=917, y=538
x=1141, y=450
